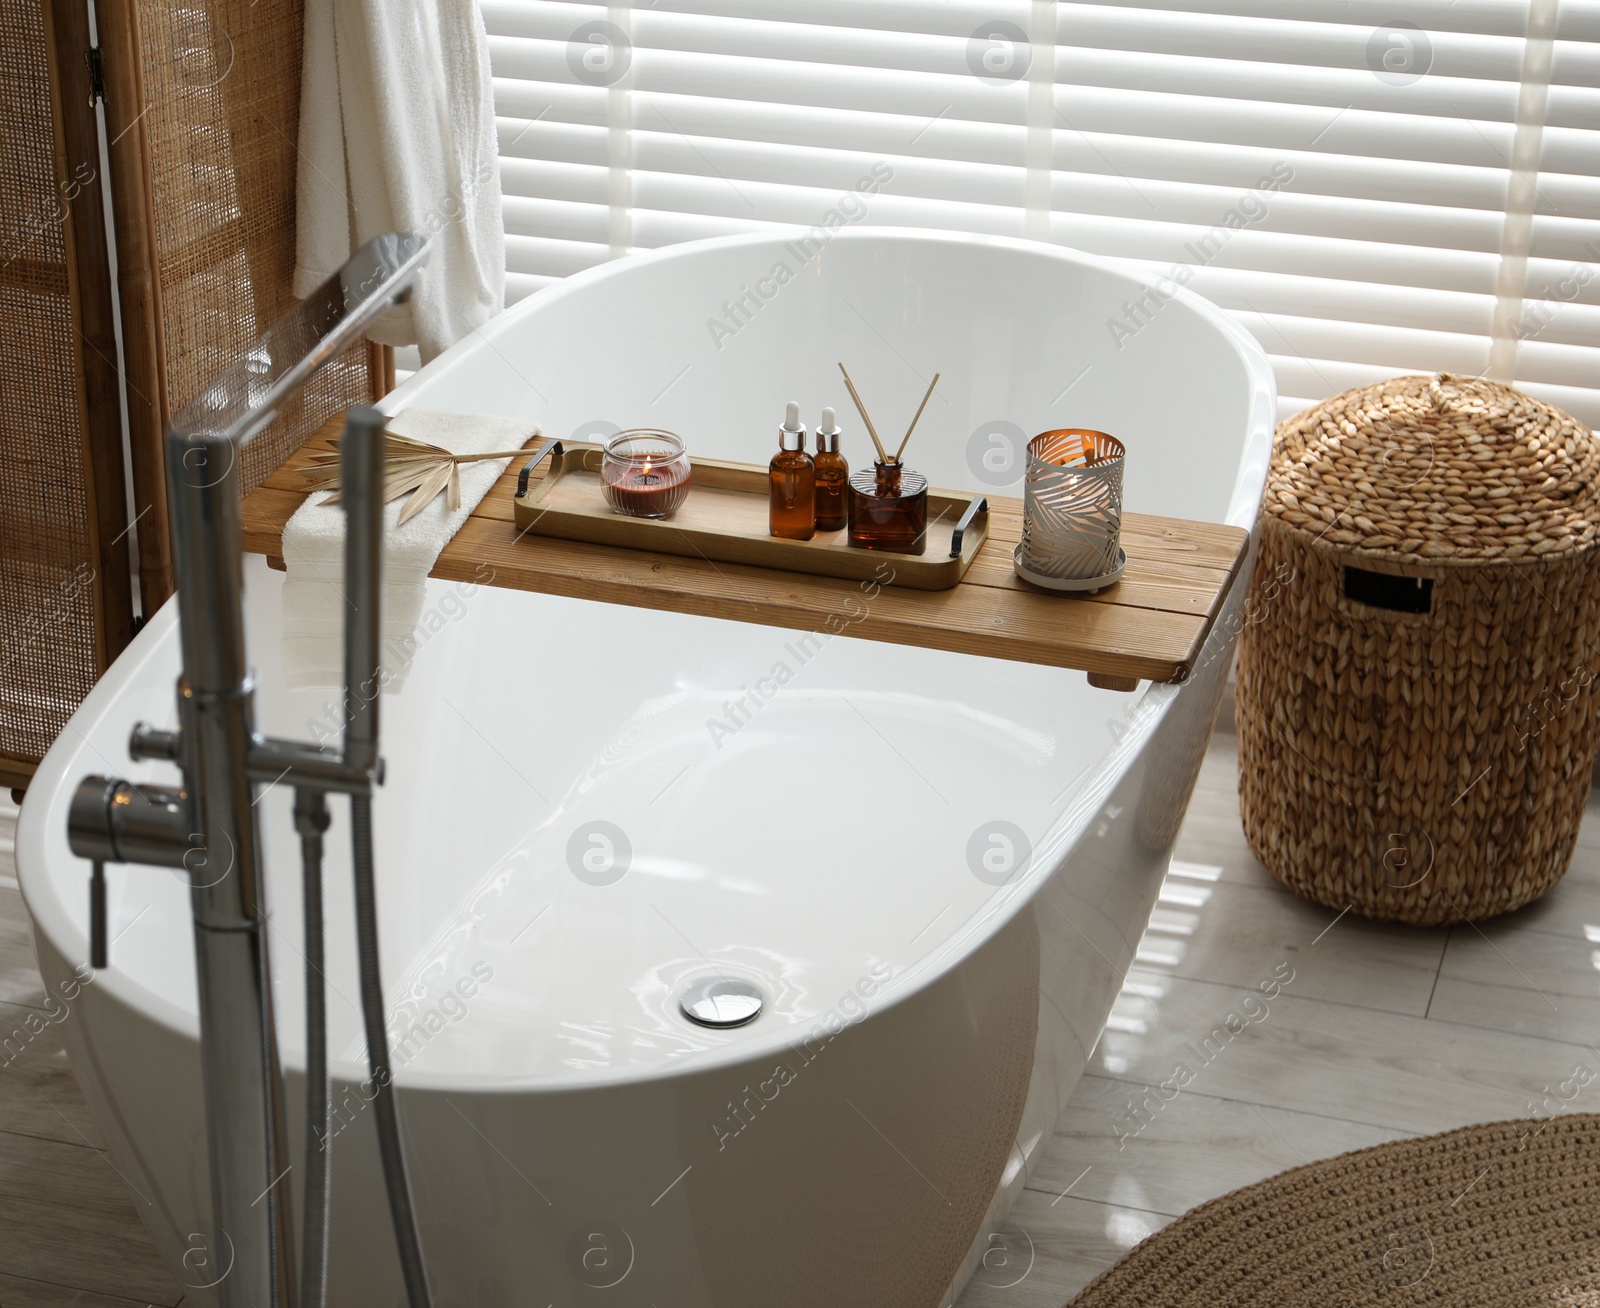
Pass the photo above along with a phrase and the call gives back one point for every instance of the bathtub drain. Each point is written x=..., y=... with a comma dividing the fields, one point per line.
x=721, y=1003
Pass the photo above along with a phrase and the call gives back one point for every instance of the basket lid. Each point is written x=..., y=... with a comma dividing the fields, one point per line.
x=1438, y=468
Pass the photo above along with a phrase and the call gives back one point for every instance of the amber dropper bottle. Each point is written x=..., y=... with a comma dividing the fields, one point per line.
x=833, y=476
x=792, y=480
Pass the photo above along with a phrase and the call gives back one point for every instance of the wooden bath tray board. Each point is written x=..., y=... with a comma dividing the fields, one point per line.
x=724, y=520
x=1151, y=625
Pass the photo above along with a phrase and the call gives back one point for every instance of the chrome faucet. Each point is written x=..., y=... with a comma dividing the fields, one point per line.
x=208, y=826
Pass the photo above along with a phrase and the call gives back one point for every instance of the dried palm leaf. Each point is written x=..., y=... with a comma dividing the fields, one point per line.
x=409, y=466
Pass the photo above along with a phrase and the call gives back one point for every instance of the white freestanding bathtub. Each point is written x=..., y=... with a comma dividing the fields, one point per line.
x=848, y=840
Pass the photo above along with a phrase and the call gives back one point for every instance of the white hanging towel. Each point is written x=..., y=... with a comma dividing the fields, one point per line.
x=397, y=133
x=313, y=552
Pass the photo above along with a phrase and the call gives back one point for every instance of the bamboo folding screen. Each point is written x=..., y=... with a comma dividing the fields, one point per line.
x=65, y=596
x=202, y=114
x=203, y=103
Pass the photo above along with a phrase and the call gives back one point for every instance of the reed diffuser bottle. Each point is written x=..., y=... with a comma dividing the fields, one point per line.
x=889, y=509
x=888, y=503
x=792, y=482
x=833, y=511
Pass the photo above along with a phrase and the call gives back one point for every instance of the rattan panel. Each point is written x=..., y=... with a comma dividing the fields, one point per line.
x=47, y=627
x=223, y=84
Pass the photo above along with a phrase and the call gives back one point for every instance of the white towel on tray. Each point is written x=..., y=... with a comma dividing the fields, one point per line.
x=313, y=552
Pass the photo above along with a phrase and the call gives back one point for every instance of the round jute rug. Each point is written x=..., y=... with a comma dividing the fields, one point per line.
x=1503, y=1215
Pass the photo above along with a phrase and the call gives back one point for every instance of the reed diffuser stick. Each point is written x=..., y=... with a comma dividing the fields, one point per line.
x=883, y=455
x=918, y=418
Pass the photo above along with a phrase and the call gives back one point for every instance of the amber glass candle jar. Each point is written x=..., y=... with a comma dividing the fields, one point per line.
x=889, y=509
x=645, y=473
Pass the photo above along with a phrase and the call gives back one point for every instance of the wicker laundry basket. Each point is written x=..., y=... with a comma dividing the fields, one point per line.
x=1416, y=699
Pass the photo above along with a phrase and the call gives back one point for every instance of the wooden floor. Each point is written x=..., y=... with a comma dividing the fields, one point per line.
x=1382, y=1032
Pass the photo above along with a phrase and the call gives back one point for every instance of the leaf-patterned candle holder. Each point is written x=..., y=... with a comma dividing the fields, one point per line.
x=1072, y=511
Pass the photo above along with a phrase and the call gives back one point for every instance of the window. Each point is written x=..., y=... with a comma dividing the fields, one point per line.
x=1372, y=188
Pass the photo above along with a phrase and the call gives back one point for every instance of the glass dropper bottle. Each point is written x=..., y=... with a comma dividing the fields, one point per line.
x=833, y=475
x=791, y=479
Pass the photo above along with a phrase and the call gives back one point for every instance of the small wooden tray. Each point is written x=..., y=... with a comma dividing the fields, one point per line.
x=724, y=519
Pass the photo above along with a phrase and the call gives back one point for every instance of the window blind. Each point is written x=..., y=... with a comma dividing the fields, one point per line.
x=1371, y=186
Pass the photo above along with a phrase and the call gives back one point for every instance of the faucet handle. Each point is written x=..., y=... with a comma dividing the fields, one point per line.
x=147, y=742
x=114, y=821
x=98, y=951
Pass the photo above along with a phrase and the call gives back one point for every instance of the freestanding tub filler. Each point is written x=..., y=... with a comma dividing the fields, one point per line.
x=933, y=868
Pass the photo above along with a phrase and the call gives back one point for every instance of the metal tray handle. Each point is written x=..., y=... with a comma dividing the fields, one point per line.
x=979, y=505
x=549, y=447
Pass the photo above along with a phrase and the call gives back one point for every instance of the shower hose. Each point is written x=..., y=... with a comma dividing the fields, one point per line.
x=311, y=825
x=311, y=821
x=387, y=1113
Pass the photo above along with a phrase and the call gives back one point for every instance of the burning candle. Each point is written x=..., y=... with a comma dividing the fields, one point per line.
x=645, y=474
